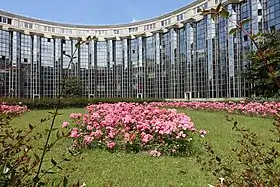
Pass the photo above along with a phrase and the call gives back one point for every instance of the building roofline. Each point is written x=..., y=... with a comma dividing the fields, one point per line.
x=134, y=24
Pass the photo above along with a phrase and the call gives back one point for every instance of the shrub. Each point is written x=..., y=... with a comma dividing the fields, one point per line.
x=264, y=99
x=12, y=110
x=134, y=128
x=242, y=107
x=19, y=157
x=251, y=163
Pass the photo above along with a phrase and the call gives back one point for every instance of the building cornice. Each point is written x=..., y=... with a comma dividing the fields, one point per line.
x=174, y=19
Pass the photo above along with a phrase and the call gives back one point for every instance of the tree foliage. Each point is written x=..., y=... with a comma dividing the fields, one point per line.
x=72, y=88
x=257, y=73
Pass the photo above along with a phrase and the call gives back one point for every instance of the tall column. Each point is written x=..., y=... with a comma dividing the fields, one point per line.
x=230, y=57
x=210, y=28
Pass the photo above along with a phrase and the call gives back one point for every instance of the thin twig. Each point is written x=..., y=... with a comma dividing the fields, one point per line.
x=54, y=117
x=260, y=52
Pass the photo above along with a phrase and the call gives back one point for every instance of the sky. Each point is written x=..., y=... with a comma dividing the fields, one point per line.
x=92, y=12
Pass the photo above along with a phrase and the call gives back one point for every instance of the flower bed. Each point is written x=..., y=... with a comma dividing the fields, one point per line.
x=13, y=110
x=248, y=108
x=134, y=128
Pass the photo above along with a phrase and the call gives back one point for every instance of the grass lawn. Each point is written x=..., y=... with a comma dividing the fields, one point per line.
x=100, y=168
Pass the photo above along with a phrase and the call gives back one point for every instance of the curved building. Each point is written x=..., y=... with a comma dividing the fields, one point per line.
x=177, y=55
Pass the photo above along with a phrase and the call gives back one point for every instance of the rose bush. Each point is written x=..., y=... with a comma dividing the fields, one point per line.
x=248, y=108
x=134, y=128
x=14, y=110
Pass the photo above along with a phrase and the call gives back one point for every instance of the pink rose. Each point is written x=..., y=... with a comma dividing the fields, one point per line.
x=74, y=133
x=65, y=124
x=111, y=144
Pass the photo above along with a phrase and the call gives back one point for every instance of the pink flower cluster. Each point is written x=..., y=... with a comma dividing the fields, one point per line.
x=12, y=109
x=133, y=127
x=249, y=108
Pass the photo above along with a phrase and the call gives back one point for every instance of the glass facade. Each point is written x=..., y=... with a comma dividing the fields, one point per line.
x=196, y=60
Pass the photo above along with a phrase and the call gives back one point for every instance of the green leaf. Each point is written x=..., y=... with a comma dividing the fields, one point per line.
x=228, y=170
x=65, y=182
x=31, y=127
x=183, y=172
x=218, y=159
x=57, y=135
x=78, y=44
x=36, y=179
x=54, y=113
x=54, y=129
x=89, y=38
x=53, y=162
x=255, y=36
x=245, y=21
x=43, y=120
x=234, y=125
x=41, y=184
x=19, y=131
x=224, y=13
x=232, y=31
x=219, y=7
x=36, y=157
x=71, y=152
x=213, y=17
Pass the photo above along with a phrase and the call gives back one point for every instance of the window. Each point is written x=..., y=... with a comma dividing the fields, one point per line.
x=180, y=17
x=165, y=22
x=101, y=32
x=47, y=28
x=245, y=38
x=9, y=21
x=116, y=31
x=68, y=31
x=134, y=29
x=5, y=20
x=150, y=26
x=25, y=60
x=260, y=12
x=49, y=40
x=28, y=25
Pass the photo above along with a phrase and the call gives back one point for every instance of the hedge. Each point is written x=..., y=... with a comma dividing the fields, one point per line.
x=51, y=103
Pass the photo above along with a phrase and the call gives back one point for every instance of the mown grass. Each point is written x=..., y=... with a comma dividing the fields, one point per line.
x=100, y=168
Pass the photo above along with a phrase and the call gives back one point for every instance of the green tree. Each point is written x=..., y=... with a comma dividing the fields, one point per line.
x=72, y=87
x=257, y=73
